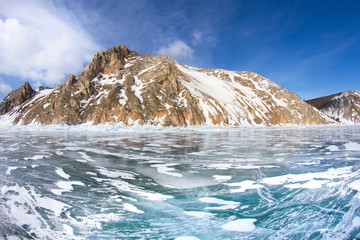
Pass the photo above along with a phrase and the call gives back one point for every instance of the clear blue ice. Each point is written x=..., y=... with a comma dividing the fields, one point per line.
x=186, y=183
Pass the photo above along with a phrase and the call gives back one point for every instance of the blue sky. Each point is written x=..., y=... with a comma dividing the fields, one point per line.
x=311, y=47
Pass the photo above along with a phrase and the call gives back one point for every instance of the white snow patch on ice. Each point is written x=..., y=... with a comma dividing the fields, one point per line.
x=333, y=148
x=22, y=206
x=199, y=214
x=86, y=157
x=61, y=173
x=220, y=166
x=310, y=180
x=187, y=238
x=132, y=208
x=16, y=206
x=356, y=222
x=165, y=169
x=221, y=178
x=224, y=203
x=66, y=186
x=244, y=185
x=56, y=206
x=36, y=157
x=240, y=225
x=352, y=146
x=69, y=230
x=116, y=174
x=124, y=186
x=355, y=185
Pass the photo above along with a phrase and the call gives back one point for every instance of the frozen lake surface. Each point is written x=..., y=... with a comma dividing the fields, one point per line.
x=204, y=183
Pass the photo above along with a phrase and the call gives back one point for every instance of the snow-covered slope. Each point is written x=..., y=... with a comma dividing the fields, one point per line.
x=342, y=107
x=38, y=95
x=120, y=86
x=243, y=97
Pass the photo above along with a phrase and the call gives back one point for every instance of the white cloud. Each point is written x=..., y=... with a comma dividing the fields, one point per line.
x=41, y=41
x=4, y=88
x=177, y=49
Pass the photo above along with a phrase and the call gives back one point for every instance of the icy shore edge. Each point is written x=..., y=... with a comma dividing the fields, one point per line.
x=150, y=128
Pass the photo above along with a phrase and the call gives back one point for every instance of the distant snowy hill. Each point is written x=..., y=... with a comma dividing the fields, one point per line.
x=120, y=86
x=342, y=107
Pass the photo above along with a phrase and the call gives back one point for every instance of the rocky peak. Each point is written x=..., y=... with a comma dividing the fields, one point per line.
x=16, y=97
x=166, y=58
x=107, y=62
x=343, y=107
x=321, y=102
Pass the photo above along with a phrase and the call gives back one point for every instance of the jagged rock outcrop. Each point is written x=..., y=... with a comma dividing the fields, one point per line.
x=120, y=86
x=16, y=97
x=342, y=107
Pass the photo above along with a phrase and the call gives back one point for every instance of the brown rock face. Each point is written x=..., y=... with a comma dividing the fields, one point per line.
x=16, y=98
x=342, y=107
x=120, y=86
x=110, y=61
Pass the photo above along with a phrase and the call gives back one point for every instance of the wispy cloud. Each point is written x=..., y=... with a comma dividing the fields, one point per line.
x=4, y=88
x=197, y=37
x=177, y=49
x=202, y=39
x=41, y=41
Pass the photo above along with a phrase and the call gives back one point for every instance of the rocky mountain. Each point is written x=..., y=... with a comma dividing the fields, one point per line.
x=122, y=87
x=16, y=97
x=342, y=107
